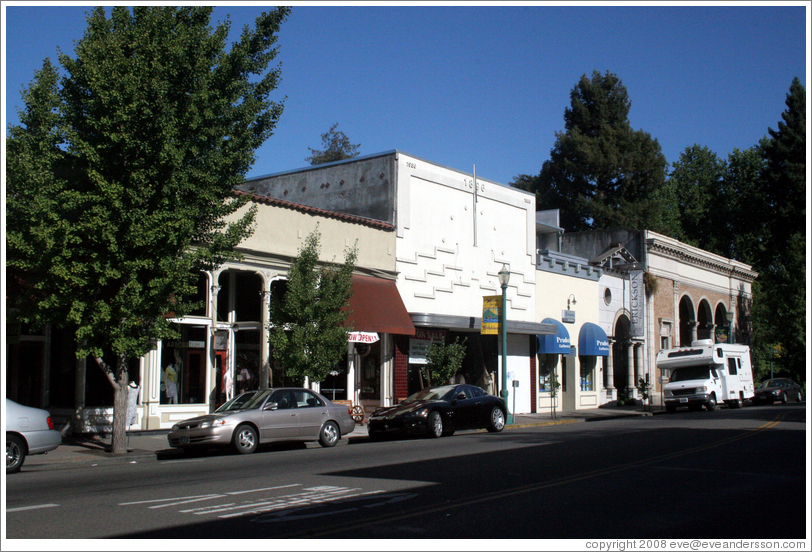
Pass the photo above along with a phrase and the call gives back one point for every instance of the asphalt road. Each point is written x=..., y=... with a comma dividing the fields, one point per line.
x=708, y=475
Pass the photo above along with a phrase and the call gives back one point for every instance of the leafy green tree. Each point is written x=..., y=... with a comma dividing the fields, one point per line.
x=602, y=173
x=120, y=175
x=781, y=292
x=444, y=361
x=698, y=181
x=308, y=336
x=337, y=147
x=745, y=205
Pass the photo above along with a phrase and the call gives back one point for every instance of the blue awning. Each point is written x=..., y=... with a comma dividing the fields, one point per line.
x=592, y=340
x=557, y=344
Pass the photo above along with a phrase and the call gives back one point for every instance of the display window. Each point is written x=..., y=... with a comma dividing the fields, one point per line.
x=183, y=367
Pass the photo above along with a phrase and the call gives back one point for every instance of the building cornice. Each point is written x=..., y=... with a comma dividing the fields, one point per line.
x=689, y=255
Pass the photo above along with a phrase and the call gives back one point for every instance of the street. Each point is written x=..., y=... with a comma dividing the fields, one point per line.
x=724, y=474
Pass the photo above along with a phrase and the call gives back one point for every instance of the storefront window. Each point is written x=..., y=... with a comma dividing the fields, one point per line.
x=246, y=369
x=547, y=364
x=183, y=363
x=370, y=370
x=334, y=386
x=588, y=372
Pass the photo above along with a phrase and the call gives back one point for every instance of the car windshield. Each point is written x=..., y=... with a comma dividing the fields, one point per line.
x=691, y=373
x=237, y=403
x=257, y=400
x=771, y=383
x=432, y=394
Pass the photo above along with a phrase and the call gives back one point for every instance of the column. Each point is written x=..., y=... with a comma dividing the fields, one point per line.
x=694, y=325
x=630, y=381
x=264, y=346
x=610, y=371
x=638, y=361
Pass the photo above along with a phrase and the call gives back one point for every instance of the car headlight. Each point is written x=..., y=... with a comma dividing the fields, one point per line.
x=215, y=423
x=668, y=393
x=776, y=392
x=175, y=427
x=422, y=412
x=702, y=389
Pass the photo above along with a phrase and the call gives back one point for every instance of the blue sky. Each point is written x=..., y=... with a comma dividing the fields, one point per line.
x=487, y=85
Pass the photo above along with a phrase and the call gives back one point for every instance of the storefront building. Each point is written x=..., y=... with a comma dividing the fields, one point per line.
x=453, y=233
x=660, y=293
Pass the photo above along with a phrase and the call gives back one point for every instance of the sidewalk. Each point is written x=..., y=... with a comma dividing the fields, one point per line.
x=150, y=446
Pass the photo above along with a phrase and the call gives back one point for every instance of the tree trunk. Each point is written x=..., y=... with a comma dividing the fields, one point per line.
x=119, y=379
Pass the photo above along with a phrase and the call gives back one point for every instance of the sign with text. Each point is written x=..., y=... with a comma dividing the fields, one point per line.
x=490, y=314
x=420, y=343
x=637, y=303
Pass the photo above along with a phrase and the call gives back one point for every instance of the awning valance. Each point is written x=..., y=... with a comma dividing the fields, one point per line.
x=377, y=307
x=557, y=344
x=592, y=340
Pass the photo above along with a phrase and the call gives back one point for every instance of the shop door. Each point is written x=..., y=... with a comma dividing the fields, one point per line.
x=220, y=370
x=194, y=384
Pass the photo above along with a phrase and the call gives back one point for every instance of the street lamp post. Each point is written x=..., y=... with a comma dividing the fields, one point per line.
x=504, y=278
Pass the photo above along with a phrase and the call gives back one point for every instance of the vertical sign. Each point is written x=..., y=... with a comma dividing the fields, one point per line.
x=490, y=314
x=637, y=303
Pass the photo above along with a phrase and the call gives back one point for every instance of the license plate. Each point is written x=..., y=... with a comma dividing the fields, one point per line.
x=683, y=400
x=183, y=439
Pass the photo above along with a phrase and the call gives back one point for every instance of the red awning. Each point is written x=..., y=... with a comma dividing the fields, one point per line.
x=377, y=307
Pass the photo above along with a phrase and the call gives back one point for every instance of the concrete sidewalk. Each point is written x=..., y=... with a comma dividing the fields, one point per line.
x=150, y=446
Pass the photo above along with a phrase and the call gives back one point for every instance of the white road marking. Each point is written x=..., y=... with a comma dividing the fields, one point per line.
x=37, y=507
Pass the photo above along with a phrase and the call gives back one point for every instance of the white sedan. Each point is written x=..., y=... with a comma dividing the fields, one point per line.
x=28, y=431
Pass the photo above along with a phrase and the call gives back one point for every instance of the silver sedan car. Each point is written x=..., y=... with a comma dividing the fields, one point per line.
x=257, y=417
x=28, y=431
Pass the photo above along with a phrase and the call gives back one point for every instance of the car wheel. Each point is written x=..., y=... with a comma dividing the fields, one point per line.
x=245, y=439
x=15, y=453
x=329, y=435
x=799, y=397
x=784, y=398
x=435, y=424
x=711, y=404
x=670, y=408
x=496, y=422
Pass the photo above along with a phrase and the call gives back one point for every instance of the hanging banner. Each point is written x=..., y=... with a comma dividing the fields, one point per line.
x=362, y=337
x=637, y=303
x=490, y=314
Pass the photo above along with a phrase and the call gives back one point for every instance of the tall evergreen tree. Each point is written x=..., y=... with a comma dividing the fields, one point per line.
x=602, y=173
x=782, y=287
x=698, y=181
x=308, y=336
x=337, y=147
x=120, y=175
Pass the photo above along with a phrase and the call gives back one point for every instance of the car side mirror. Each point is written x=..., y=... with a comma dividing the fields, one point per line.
x=271, y=406
x=460, y=397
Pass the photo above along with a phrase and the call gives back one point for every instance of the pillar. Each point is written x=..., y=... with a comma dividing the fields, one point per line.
x=630, y=381
x=610, y=371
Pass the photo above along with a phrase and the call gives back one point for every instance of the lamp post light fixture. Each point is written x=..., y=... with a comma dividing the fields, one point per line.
x=572, y=299
x=504, y=278
x=729, y=316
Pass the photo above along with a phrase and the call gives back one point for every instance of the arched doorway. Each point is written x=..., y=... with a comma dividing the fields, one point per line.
x=687, y=321
x=704, y=320
x=620, y=353
x=720, y=317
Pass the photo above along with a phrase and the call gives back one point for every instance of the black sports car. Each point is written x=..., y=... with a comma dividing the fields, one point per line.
x=777, y=389
x=440, y=411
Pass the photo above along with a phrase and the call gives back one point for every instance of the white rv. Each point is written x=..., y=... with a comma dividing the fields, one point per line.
x=705, y=374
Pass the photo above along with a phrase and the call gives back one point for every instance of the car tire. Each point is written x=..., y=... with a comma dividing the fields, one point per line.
x=496, y=421
x=784, y=398
x=435, y=424
x=15, y=453
x=711, y=405
x=329, y=434
x=799, y=397
x=245, y=439
x=670, y=409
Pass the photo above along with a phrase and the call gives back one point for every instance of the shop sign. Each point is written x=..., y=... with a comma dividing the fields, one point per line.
x=490, y=314
x=722, y=335
x=568, y=316
x=362, y=337
x=420, y=343
x=637, y=303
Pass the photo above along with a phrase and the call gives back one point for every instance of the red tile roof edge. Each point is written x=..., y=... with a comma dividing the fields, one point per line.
x=316, y=211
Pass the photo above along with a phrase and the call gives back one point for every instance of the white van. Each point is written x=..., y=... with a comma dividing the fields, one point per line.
x=705, y=374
